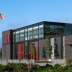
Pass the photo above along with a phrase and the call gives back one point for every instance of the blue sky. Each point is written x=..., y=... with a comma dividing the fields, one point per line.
x=19, y=13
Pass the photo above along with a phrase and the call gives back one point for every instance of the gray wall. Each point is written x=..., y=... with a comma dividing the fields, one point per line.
x=68, y=47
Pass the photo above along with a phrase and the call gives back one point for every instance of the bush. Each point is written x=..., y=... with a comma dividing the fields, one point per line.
x=58, y=68
x=2, y=68
x=35, y=68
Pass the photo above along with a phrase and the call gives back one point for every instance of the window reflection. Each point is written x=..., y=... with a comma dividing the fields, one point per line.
x=29, y=33
x=41, y=33
x=26, y=34
x=22, y=35
x=35, y=32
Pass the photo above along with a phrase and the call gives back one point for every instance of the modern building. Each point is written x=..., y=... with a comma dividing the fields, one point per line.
x=43, y=41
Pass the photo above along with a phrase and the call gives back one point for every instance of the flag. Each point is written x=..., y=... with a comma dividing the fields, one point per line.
x=1, y=16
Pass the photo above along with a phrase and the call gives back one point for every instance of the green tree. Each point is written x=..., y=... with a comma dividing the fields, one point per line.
x=58, y=68
x=20, y=67
x=9, y=68
x=49, y=68
x=2, y=68
x=68, y=68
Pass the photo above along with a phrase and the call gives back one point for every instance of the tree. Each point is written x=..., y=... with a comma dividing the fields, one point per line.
x=2, y=68
x=68, y=68
x=58, y=68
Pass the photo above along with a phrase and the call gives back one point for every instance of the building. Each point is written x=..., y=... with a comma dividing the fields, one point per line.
x=43, y=41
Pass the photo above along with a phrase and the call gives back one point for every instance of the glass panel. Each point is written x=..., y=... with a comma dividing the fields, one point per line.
x=17, y=37
x=33, y=52
x=40, y=26
x=41, y=33
x=58, y=29
x=29, y=33
x=14, y=37
x=35, y=32
x=26, y=50
x=22, y=35
x=29, y=29
x=53, y=30
x=21, y=31
x=68, y=29
x=26, y=34
x=17, y=32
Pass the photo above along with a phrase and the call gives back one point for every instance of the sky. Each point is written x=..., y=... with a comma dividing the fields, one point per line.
x=19, y=13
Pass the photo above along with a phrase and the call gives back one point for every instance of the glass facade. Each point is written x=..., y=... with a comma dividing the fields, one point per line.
x=33, y=41
x=22, y=35
x=29, y=49
x=54, y=30
x=36, y=41
x=29, y=33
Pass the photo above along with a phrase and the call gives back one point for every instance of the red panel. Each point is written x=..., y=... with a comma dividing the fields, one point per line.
x=6, y=38
x=20, y=51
